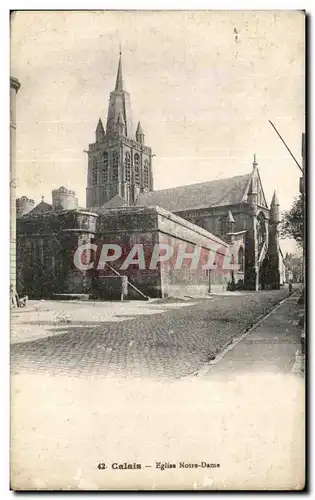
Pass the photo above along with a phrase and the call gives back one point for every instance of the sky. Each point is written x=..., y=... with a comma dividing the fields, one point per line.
x=203, y=83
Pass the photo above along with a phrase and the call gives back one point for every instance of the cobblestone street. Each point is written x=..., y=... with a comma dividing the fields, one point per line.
x=172, y=344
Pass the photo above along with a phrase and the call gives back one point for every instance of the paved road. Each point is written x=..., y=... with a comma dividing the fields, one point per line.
x=170, y=345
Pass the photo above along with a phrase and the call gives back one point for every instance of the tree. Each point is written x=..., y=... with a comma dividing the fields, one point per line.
x=292, y=224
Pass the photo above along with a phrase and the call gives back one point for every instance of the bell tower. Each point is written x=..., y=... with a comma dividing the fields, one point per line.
x=119, y=161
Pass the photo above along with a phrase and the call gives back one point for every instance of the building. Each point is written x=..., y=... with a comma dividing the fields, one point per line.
x=231, y=215
x=294, y=268
x=14, y=88
x=119, y=162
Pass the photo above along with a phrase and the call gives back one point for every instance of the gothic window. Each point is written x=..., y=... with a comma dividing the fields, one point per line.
x=240, y=259
x=146, y=174
x=127, y=167
x=137, y=169
x=94, y=172
x=115, y=166
x=218, y=224
x=104, y=168
x=261, y=232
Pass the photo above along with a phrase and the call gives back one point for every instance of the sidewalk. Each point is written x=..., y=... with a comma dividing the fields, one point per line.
x=274, y=346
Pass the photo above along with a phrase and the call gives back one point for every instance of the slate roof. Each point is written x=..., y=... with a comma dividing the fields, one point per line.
x=216, y=193
x=115, y=202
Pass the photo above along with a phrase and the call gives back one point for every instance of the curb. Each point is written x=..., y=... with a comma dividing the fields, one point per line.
x=232, y=343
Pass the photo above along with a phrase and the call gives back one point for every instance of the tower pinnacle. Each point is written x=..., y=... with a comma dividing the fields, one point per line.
x=275, y=201
x=139, y=134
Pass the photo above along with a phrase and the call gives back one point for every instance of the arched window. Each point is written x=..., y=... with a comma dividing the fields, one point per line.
x=94, y=172
x=104, y=168
x=240, y=259
x=261, y=231
x=137, y=169
x=127, y=167
x=146, y=174
x=115, y=166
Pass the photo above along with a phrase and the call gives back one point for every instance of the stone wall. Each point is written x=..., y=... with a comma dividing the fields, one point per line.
x=127, y=227
x=46, y=245
x=190, y=278
x=149, y=226
x=48, y=242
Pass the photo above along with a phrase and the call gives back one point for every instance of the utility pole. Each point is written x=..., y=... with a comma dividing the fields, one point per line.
x=301, y=300
x=287, y=147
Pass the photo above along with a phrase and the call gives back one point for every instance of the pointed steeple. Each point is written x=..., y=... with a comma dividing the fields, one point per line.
x=139, y=134
x=139, y=129
x=119, y=80
x=275, y=201
x=119, y=102
x=100, y=133
x=275, y=209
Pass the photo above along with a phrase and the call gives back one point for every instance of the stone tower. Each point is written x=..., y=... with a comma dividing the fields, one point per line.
x=273, y=246
x=251, y=250
x=24, y=205
x=119, y=162
x=14, y=87
x=64, y=199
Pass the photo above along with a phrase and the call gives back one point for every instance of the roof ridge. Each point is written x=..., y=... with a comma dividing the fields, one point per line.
x=199, y=183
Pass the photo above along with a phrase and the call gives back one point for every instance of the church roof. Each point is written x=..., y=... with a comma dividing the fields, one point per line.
x=216, y=193
x=41, y=208
x=115, y=202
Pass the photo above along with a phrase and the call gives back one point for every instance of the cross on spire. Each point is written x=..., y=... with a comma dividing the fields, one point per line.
x=255, y=164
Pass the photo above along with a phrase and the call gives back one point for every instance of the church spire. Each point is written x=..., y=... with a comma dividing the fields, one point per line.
x=119, y=80
x=119, y=103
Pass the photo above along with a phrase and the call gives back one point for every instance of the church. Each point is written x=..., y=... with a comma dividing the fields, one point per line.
x=123, y=209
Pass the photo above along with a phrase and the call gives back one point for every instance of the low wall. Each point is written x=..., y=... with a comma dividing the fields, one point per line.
x=188, y=279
